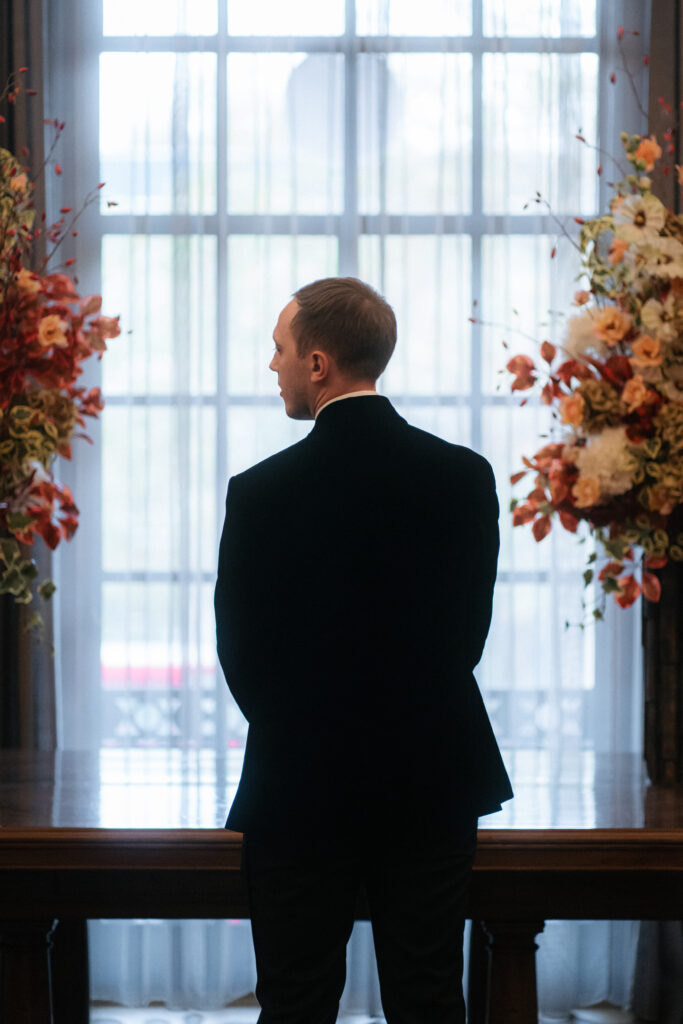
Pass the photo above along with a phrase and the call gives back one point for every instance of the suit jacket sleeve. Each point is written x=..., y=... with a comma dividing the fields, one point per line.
x=231, y=599
x=482, y=555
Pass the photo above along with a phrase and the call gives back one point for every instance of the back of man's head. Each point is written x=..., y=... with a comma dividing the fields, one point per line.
x=350, y=321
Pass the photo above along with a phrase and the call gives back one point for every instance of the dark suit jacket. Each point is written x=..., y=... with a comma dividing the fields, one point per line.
x=353, y=599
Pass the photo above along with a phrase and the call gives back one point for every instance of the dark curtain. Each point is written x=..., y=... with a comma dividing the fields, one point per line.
x=658, y=982
x=27, y=674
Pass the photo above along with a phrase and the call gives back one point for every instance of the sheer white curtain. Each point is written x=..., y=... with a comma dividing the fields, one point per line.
x=250, y=147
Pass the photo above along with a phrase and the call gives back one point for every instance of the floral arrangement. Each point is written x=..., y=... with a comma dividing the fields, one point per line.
x=616, y=387
x=47, y=331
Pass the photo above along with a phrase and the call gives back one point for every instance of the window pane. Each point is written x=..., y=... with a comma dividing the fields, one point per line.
x=534, y=105
x=159, y=678
x=146, y=525
x=415, y=133
x=257, y=431
x=164, y=287
x=158, y=132
x=427, y=282
x=537, y=675
x=263, y=271
x=285, y=133
x=405, y=17
x=159, y=17
x=525, y=299
x=540, y=18
x=451, y=422
x=294, y=18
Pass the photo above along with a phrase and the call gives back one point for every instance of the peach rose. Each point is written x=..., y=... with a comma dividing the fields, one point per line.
x=661, y=500
x=18, y=183
x=586, y=491
x=571, y=409
x=649, y=151
x=27, y=282
x=610, y=325
x=581, y=297
x=617, y=250
x=51, y=332
x=635, y=392
x=646, y=351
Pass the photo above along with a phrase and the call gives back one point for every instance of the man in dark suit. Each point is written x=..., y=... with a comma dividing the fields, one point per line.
x=355, y=581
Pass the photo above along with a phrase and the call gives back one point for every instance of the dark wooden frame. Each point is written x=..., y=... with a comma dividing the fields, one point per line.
x=521, y=878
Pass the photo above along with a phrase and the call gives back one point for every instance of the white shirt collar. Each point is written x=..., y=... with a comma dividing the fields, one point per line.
x=349, y=394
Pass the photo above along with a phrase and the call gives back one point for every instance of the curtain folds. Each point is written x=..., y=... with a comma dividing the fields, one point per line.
x=246, y=153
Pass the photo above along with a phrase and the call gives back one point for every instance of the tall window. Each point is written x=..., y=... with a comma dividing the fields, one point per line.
x=250, y=147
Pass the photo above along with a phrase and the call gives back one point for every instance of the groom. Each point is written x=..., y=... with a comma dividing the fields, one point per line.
x=353, y=599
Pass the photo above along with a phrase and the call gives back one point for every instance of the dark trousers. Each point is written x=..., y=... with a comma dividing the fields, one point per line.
x=302, y=903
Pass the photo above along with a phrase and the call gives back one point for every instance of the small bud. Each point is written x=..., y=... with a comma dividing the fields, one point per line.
x=612, y=78
x=58, y=169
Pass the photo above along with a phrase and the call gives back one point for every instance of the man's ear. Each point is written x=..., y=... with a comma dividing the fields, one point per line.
x=319, y=366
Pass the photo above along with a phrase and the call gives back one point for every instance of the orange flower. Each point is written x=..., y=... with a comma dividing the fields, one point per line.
x=635, y=392
x=610, y=325
x=571, y=409
x=617, y=250
x=51, y=332
x=582, y=297
x=661, y=499
x=586, y=491
x=649, y=152
x=646, y=351
x=28, y=282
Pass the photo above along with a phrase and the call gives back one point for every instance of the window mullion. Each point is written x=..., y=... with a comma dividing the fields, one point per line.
x=348, y=242
x=476, y=431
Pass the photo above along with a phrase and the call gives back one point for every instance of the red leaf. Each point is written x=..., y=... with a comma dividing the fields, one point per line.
x=520, y=365
x=547, y=394
x=629, y=591
x=652, y=588
x=655, y=561
x=516, y=477
x=541, y=527
x=548, y=351
x=569, y=522
x=612, y=569
x=523, y=514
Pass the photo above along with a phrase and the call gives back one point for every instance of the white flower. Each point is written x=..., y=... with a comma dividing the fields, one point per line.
x=671, y=390
x=658, y=318
x=639, y=219
x=609, y=458
x=664, y=259
x=580, y=337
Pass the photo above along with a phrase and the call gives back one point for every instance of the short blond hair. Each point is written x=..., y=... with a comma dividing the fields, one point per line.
x=350, y=321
